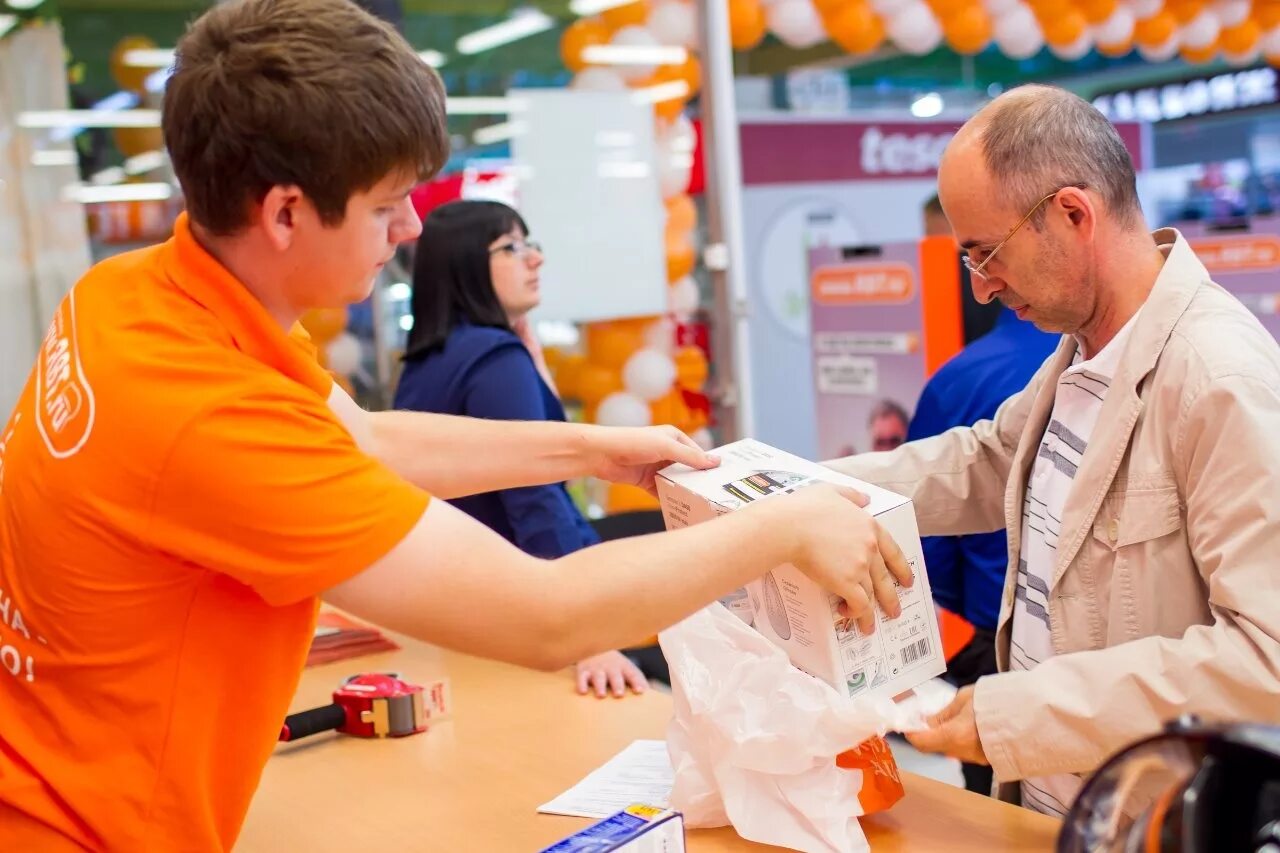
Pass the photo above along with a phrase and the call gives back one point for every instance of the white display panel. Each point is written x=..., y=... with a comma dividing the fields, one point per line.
x=589, y=192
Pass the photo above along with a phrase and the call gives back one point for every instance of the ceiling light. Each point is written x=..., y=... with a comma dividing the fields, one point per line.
x=591, y=7
x=89, y=118
x=147, y=161
x=120, y=192
x=662, y=92
x=522, y=24
x=55, y=158
x=623, y=54
x=499, y=132
x=23, y=4
x=108, y=176
x=927, y=106
x=484, y=106
x=434, y=58
x=157, y=57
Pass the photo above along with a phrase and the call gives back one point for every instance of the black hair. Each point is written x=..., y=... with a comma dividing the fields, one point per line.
x=451, y=278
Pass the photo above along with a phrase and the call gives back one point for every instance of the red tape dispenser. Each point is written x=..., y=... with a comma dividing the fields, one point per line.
x=368, y=705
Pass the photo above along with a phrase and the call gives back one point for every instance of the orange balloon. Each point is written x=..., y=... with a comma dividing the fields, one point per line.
x=746, y=23
x=947, y=8
x=690, y=72
x=628, y=499
x=856, y=28
x=626, y=15
x=830, y=7
x=969, y=31
x=1049, y=10
x=580, y=35
x=567, y=371
x=132, y=141
x=610, y=344
x=1267, y=15
x=682, y=215
x=324, y=324
x=1241, y=37
x=668, y=409
x=691, y=368
x=1199, y=55
x=595, y=382
x=681, y=256
x=1156, y=30
x=1185, y=10
x=1115, y=51
x=1097, y=11
x=130, y=77
x=1065, y=29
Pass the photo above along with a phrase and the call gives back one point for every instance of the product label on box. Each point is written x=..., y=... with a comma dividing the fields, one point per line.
x=636, y=829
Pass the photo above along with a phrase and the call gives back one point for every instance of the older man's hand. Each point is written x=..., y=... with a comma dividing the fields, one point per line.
x=953, y=731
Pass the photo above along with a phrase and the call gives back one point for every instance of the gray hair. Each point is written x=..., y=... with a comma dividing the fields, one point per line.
x=1037, y=139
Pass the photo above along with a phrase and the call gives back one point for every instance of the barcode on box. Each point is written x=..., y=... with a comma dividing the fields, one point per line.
x=915, y=652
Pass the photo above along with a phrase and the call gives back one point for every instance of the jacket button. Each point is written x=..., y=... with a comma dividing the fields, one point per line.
x=1113, y=530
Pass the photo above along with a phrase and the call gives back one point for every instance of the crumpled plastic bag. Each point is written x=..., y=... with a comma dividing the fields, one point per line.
x=754, y=741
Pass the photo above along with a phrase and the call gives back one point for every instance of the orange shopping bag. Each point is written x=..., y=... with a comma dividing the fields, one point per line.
x=881, y=784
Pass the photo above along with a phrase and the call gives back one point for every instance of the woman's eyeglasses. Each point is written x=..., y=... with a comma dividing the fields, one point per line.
x=518, y=249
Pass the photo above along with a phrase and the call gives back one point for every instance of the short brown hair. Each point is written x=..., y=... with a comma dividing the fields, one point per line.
x=313, y=93
x=1037, y=139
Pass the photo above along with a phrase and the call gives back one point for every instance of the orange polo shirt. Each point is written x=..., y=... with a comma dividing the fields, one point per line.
x=174, y=494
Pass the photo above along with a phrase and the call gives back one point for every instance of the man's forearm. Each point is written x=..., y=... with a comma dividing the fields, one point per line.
x=454, y=456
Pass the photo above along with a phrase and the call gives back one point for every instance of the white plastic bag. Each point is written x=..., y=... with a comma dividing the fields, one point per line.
x=754, y=740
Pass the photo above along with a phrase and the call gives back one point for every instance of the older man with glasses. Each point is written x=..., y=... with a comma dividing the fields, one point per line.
x=1136, y=473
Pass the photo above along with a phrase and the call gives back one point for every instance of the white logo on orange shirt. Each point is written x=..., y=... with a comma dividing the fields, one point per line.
x=4, y=444
x=64, y=401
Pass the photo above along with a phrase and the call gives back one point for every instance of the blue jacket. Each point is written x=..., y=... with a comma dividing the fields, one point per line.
x=484, y=372
x=967, y=572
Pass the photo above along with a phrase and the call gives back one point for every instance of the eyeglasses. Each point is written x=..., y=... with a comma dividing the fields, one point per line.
x=518, y=249
x=976, y=269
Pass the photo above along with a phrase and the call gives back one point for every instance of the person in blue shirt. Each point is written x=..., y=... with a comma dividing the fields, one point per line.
x=471, y=352
x=967, y=572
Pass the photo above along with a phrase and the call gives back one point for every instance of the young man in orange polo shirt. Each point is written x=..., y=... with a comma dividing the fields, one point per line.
x=181, y=483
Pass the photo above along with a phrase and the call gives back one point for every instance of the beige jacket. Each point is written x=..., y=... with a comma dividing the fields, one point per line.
x=1166, y=595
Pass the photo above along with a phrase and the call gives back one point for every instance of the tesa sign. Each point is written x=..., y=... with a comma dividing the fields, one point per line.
x=800, y=152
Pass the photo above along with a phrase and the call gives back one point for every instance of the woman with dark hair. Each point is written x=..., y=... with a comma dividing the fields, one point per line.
x=471, y=352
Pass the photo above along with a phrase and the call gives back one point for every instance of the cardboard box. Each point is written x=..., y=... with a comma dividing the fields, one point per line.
x=793, y=611
x=635, y=829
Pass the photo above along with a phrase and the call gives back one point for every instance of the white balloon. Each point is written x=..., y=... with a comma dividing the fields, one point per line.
x=661, y=335
x=623, y=409
x=1161, y=53
x=996, y=8
x=1240, y=60
x=1270, y=42
x=674, y=23
x=1018, y=34
x=343, y=354
x=673, y=149
x=796, y=23
x=1143, y=9
x=1201, y=31
x=1231, y=13
x=683, y=298
x=674, y=172
x=915, y=29
x=634, y=36
x=649, y=374
x=889, y=8
x=703, y=438
x=597, y=78
x=679, y=136
x=1116, y=30
x=1076, y=50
